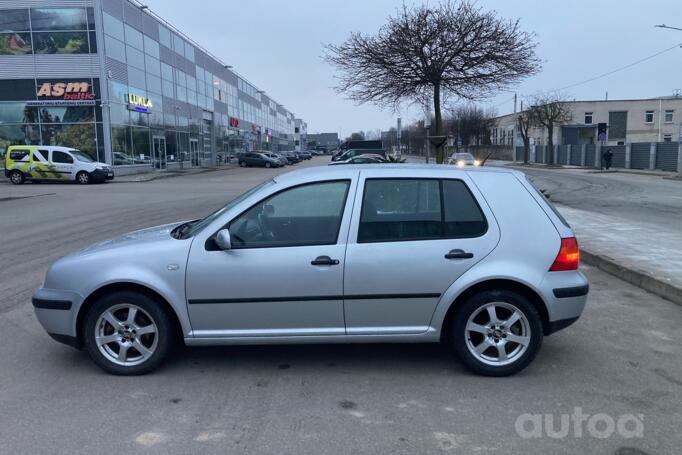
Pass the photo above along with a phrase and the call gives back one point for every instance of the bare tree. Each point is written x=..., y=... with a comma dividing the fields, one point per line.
x=550, y=111
x=427, y=53
x=524, y=122
x=470, y=124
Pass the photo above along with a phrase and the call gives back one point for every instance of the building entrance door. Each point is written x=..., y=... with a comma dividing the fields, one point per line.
x=159, y=152
x=194, y=151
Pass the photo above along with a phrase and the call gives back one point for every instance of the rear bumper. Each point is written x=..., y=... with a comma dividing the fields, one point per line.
x=565, y=295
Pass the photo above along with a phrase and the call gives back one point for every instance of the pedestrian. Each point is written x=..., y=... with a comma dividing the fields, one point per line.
x=608, y=157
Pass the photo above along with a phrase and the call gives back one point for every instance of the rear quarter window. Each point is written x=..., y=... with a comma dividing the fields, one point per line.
x=18, y=155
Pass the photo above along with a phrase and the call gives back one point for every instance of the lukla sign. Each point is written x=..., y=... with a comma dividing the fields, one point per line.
x=139, y=103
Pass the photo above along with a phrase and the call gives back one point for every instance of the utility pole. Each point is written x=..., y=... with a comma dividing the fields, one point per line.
x=515, y=103
x=679, y=148
x=427, y=127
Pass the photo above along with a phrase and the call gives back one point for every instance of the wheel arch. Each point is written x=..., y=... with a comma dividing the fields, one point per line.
x=497, y=284
x=119, y=287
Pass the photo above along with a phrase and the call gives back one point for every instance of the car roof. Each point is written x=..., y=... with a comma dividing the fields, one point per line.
x=404, y=170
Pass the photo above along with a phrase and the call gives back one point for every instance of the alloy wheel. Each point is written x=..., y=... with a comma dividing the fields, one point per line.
x=497, y=333
x=126, y=335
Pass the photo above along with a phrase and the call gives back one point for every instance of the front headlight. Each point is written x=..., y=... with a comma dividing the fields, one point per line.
x=460, y=163
x=477, y=163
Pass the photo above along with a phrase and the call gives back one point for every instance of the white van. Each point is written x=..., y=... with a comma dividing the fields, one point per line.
x=51, y=163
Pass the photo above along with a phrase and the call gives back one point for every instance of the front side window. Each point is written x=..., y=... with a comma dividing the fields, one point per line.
x=61, y=157
x=304, y=215
x=418, y=209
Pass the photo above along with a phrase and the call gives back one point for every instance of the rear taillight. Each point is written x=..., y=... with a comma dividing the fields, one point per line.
x=568, y=257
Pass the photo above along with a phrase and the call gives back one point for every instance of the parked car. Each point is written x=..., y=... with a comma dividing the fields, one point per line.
x=292, y=157
x=464, y=159
x=258, y=159
x=305, y=155
x=355, y=152
x=52, y=163
x=361, y=159
x=375, y=253
x=275, y=156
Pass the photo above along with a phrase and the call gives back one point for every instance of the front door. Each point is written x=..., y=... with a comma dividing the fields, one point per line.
x=159, y=152
x=410, y=240
x=194, y=151
x=283, y=275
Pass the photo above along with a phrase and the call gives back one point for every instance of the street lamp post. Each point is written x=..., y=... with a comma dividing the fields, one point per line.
x=427, y=126
x=679, y=143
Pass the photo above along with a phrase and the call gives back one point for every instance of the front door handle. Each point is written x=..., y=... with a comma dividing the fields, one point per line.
x=459, y=254
x=324, y=260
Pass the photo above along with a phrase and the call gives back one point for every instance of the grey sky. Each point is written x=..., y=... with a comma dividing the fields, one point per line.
x=277, y=45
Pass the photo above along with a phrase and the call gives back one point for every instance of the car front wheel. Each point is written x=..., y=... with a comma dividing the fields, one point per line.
x=497, y=333
x=127, y=333
x=83, y=178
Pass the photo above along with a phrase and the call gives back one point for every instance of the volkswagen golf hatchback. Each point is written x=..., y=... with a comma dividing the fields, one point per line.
x=475, y=258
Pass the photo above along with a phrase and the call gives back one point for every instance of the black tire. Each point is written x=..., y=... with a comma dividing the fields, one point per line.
x=267, y=164
x=83, y=178
x=17, y=177
x=158, y=315
x=242, y=163
x=462, y=339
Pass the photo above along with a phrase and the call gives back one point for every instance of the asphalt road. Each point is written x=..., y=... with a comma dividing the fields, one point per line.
x=623, y=357
x=647, y=199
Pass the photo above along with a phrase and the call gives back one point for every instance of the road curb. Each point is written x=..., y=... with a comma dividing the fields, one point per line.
x=171, y=174
x=634, y=276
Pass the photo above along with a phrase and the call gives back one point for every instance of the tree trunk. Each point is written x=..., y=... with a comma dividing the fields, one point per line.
x=526, y=150
x=550, y=143
x=438, y=122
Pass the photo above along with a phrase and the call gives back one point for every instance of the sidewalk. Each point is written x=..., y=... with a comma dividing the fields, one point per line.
x=155, y=175
x=589, y=170
x=650, y=258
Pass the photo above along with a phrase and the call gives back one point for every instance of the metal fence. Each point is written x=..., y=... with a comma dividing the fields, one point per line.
x=663, y=156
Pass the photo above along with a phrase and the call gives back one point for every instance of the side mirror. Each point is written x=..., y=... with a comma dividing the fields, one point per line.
x=223, y=240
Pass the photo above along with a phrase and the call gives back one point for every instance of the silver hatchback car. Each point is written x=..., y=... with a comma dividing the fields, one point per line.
x=476, y=258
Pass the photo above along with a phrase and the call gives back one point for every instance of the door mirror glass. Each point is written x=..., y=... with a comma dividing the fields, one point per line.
x=223, y=240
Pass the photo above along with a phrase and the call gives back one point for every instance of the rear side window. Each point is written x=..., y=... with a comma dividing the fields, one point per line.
x=61, y=157
x=41, y=155
x=18, y=155
x=418, y=209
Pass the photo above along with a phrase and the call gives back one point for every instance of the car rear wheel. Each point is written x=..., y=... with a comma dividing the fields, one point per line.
x=127, y=333
x=17, y=177
x=83, y=178
x=497, y=333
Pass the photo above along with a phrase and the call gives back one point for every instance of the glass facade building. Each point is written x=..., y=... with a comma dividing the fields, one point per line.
x=113, y=79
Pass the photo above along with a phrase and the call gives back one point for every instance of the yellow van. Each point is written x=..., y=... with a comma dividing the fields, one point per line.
x=51, y=163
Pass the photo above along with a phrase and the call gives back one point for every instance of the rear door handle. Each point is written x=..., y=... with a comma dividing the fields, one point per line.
x=324, y=260
x=459, y=254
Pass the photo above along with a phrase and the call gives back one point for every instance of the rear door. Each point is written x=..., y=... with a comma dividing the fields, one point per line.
x=41, y=168
x=410, y=239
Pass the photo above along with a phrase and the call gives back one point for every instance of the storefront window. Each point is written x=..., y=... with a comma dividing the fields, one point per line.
x=141, y=146
x=80, y=136
x=67, y=114
x=15, y=43
x=12, y=20
x=18, y=135
x=183, y=147
x=171, y=147
x=121, y=148
x=60, y=43
x=59, y=19
x=17, y=113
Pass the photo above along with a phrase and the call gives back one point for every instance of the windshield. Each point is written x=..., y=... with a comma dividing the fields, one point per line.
x=464, y=156
x=80, y=156
x=201, y=224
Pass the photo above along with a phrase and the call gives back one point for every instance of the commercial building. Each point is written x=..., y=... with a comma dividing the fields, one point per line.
x=627, y=121
x=300, y=135
x=113, y=79
x=330, y=141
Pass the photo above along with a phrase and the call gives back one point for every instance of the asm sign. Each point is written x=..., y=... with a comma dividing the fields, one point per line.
x=66, y=91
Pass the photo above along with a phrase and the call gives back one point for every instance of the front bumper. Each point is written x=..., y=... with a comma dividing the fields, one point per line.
x=57, y=311
x=102, y=175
